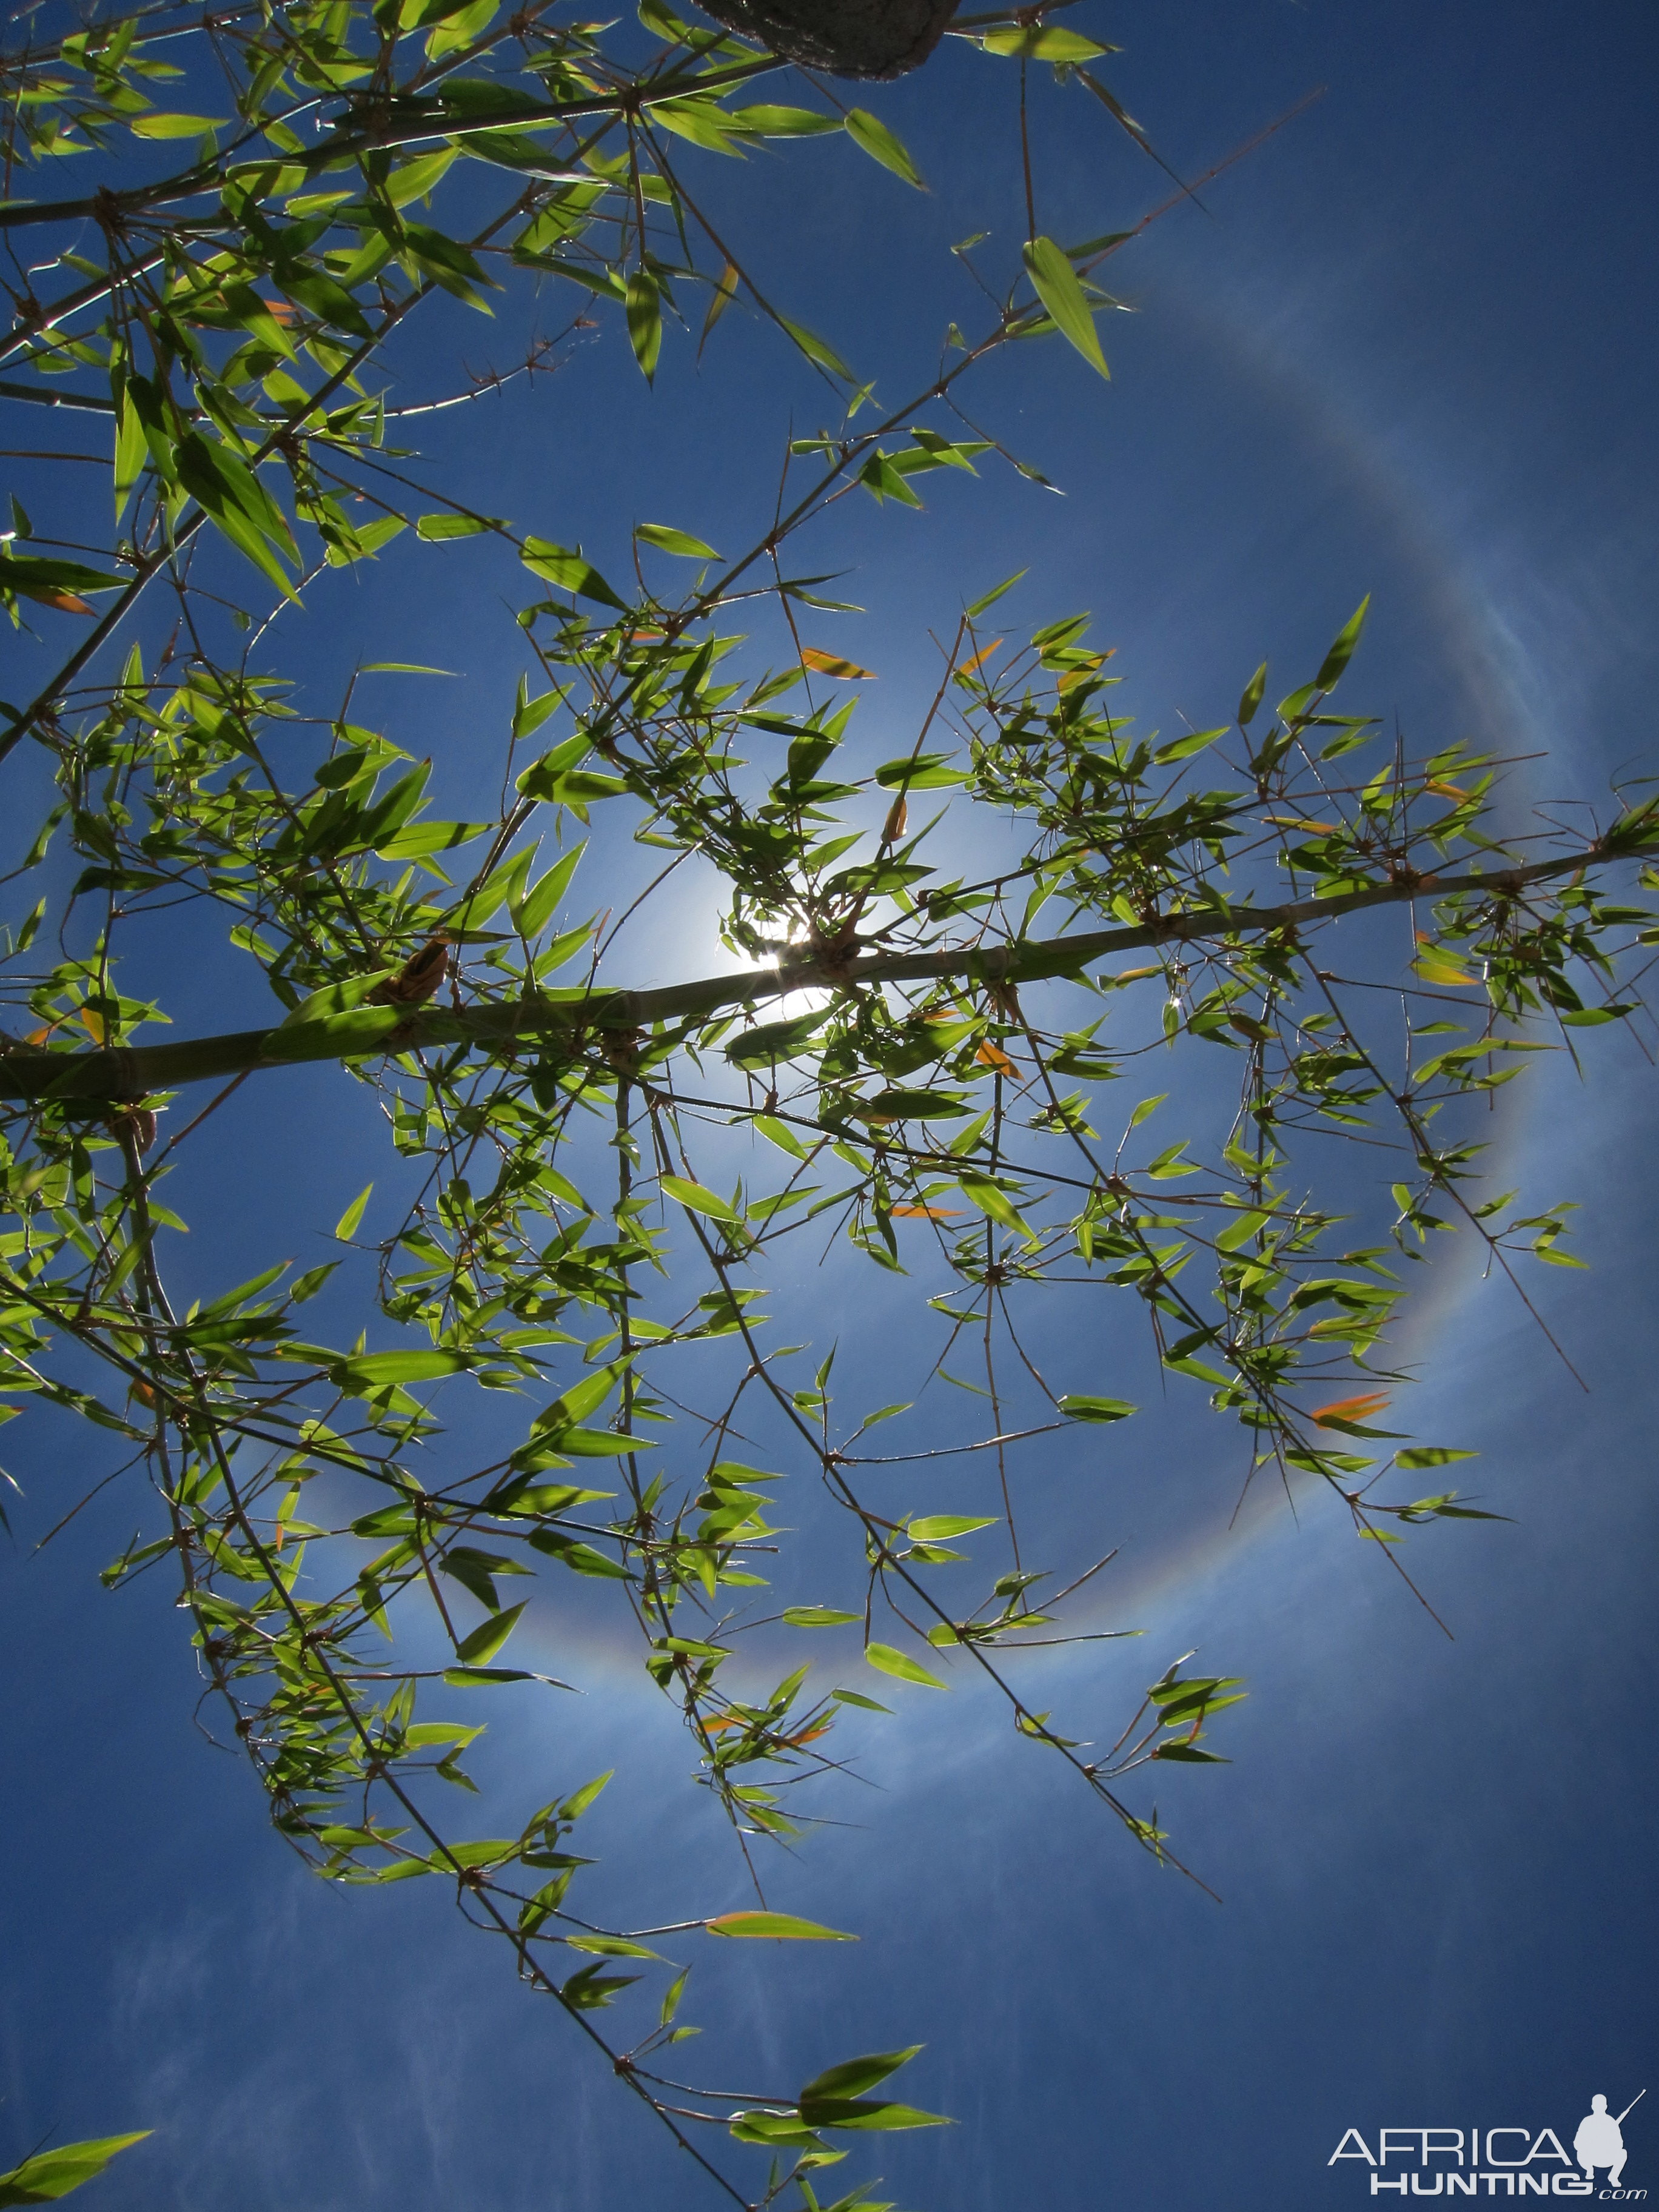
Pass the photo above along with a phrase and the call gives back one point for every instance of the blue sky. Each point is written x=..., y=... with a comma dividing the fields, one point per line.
x=1407, y=351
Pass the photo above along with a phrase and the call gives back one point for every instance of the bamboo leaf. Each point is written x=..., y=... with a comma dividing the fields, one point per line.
x=1078, y=1407
x=173, y=126
x=1341, y=652
x=854, y=2076
x=700, y=1200
x=50, y=2175
x=346, y=1226
x=667, y=540
x=779, y=1927
x=816, y=351
x=991, y=1199
x=1055, y=283
x=1043, y=42
x=1251, y=698
x=763, y=121
x=644, y=311
x=865, y=2115
x=901, y=1666
x=376, y=1370
x=487, y=1639
x=557, y=564
x=720, y=300
x=873, y=135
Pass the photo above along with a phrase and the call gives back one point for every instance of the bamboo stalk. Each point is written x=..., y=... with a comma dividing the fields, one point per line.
x=113, y=1075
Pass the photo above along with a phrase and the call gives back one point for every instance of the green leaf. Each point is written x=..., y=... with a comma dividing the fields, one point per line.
x=863, y=2114
x=644, y=310
x=1182, y=749
x=374, y=1370
x=532, y=913
x=579, y=1801
x=54, y=583
x=173, y=126
x=529, y=714
x=704, y=122
x=765, y=121
x=816, y=351
x=991, y=597
x=898, y=1664
x=582, y=1398
x=1417, y=1455
x=854, y=2076
x=402, y=1870
x=347, y=1224
x=991, y=1199
x=487, y=1639
x=557, y=564
x=52, y=2173
x=1242, y=1231
x=49, y=582
x=940, y=1527
x=781, y=1134
x=781, y=1926
x=470, y=1678
x=481, y=905
x=818, y=1616
x=697, y=1198
x=1251, y=698
x=912, y=1106
x=484, y=1851
x=582, y=1559
x=438, y=529
x=1078, y=1407
x=555, y=778
x=774, y=1041
x=871, y=134
x=589, y=1989
x=919, y=772
x=1043, y=42
x=446, y=261
x=719, y=299
x=413, y=844
x=758, y=2127
x=335, y=999
x=1341, y=652
x=1055, y=283
x=222, y=484
x=414, y=181
x=668, y=540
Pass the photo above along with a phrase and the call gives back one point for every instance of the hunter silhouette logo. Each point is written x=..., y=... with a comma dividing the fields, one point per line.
x=1500, y=2162
x=1600, y=2140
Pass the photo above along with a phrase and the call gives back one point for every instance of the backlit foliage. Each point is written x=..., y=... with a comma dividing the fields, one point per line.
x=219, y=226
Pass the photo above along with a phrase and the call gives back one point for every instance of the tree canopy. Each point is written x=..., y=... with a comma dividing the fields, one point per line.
x=912, y=1048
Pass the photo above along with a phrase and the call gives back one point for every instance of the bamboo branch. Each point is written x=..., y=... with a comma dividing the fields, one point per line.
x=123, y=1074
x=44, y=395
x=413, y=126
